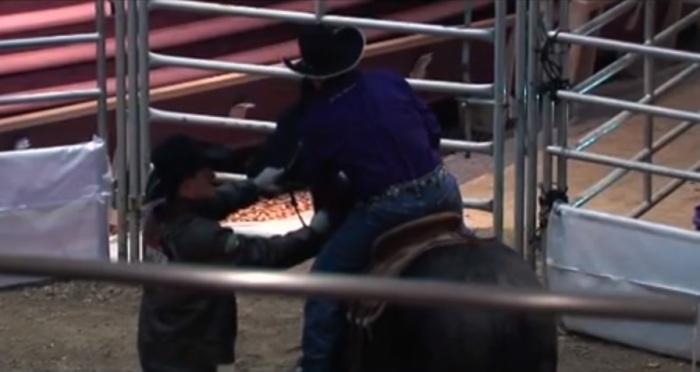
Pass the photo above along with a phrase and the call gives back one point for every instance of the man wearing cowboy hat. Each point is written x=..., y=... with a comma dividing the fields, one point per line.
x=182, y=330
x=371, y=127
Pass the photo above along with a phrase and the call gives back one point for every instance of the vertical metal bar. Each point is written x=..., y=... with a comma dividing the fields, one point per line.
x=546, y=119
x=101, y=55
x=547, y=137
x=464, y=111
x=647, y=186
x=133, y=133
x=499, y=115
x=319, y=9
x=562, y=108
x=120, y=152
x=521, y=52
x=532, y=84
x=144, y=92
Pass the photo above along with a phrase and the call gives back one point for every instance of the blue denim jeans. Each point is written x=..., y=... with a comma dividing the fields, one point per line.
x=349, y=252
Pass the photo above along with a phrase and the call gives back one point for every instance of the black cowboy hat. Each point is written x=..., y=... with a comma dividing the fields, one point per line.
x=176, y=159
x=327, y=52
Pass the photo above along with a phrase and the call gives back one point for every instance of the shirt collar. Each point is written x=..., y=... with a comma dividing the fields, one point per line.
x=339, y=85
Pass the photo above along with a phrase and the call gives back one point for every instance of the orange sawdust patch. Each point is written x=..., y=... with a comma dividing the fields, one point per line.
x=273, y=209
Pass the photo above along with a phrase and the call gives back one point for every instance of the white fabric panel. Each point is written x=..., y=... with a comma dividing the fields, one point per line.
x=54, y=202
x=599, y=253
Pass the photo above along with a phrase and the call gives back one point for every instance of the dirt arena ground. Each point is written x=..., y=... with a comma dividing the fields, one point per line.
x=70, y=327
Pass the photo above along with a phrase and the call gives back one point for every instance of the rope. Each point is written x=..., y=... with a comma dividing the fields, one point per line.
x=547, y=200
x=295, y=205
x=553, y=72
x=292, y=195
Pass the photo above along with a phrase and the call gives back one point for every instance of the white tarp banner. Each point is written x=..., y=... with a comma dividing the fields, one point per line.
x=54, y=203
x=599, y=253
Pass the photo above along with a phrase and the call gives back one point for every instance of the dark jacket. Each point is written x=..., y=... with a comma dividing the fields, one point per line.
x=191, y=329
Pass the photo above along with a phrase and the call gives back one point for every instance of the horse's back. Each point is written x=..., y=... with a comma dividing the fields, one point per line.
x=489, y=262
x=477, y=340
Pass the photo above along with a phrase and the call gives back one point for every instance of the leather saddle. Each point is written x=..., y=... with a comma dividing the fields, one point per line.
x=397, y=248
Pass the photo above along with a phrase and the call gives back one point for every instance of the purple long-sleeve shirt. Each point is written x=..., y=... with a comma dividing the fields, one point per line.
x=373, y=128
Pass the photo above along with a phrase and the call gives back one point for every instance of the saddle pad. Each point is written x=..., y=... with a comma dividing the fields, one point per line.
x=364, y=313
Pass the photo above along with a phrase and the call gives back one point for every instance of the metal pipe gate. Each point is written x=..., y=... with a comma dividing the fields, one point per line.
x=555, y=118
x=495, y=91
x=134, y=115
x=99, y=93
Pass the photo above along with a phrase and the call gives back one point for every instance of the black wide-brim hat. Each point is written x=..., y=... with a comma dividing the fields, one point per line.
x=176, y=159
x=327, y=52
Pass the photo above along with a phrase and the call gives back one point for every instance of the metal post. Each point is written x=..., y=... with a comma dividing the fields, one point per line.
x=101, y=56
x=562, y=107
x=546, y=118
x=464, y=113
x=499, y=115
x=120, y=152
x=133, y=144
x=532, y=127
x=521, y=93
x=319, y=10
x=144, y=96
x=647, y=186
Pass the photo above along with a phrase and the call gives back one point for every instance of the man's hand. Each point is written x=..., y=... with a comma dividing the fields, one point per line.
x=268, y=181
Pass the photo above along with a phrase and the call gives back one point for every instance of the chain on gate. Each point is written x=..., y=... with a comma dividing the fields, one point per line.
x=553, y=81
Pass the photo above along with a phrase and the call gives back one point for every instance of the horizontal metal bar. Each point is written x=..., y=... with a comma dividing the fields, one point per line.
x=478, y=204
x=215, y=121
x=42, y=41
x=606, y=17
x=457, y=145
x=592, y=137
x=419, y=293
x=71, y=95
x=626, y=164
x=230, y=177
x=617, y=174
x=629, y=106
x=310, y=18
x=625, y=61
x=623, y=46
x=476, y=101
x=447, y=87
x=268, y=126
x=662, y=194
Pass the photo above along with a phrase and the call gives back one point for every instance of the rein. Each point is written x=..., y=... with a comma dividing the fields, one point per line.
x=292, y=194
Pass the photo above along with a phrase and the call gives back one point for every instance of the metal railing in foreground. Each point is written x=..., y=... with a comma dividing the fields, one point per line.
x=418, y=293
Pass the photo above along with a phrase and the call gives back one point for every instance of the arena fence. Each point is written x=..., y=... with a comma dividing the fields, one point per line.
x=536, y=110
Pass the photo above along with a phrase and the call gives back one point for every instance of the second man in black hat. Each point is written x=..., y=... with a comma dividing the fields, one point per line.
x=183, y=330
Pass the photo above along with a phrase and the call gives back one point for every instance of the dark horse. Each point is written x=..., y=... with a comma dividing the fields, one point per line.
x=411, y=339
